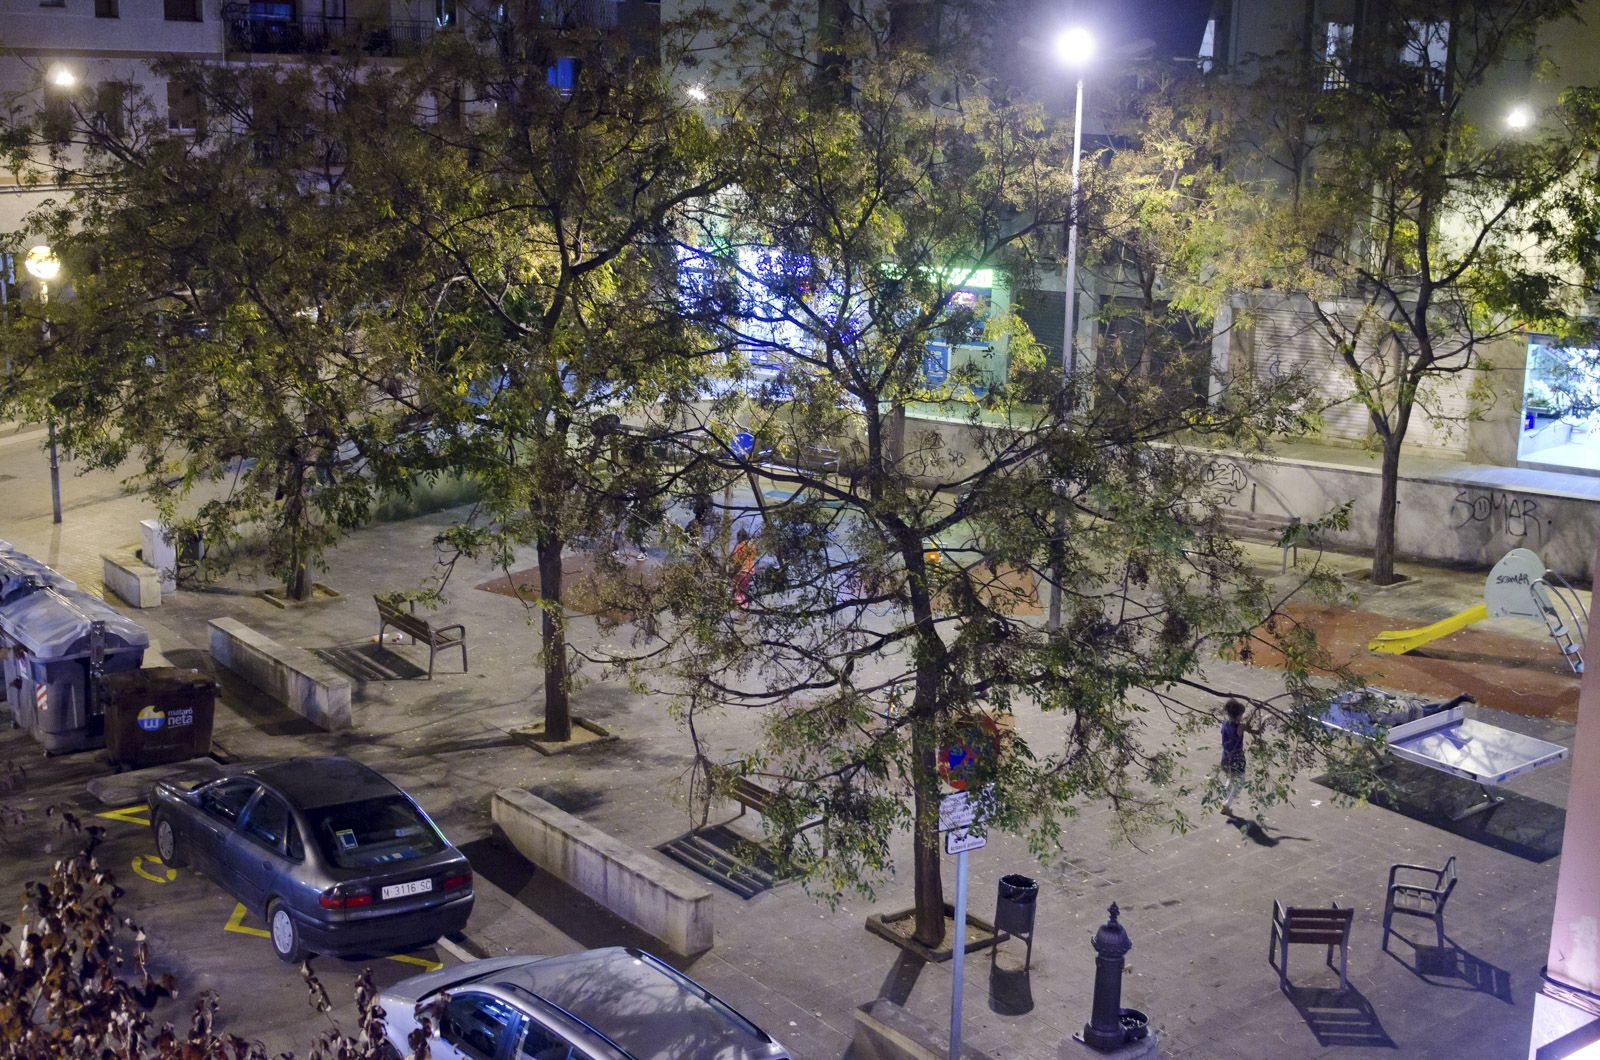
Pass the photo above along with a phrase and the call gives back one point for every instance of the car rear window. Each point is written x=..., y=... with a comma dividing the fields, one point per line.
x=359, y=835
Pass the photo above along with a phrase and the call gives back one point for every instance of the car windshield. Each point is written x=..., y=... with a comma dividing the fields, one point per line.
x=359, y=835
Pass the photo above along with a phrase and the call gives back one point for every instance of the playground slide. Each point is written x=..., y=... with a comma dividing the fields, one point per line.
x=1400, y=641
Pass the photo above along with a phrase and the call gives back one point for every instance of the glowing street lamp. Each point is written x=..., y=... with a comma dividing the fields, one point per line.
x=44, y=266
x=1074, y=49
x=62, y=76
x=1519, y=117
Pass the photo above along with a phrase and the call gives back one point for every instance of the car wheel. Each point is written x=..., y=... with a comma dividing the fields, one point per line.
x=167, y=844
x=285, y=933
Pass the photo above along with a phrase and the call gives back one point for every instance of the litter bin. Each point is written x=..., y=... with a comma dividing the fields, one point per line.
x=1016, y=904
x=61, y=643
x=20, y=575
x=158, y=715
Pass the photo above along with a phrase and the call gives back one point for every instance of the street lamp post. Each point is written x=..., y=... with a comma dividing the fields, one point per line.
x=44, y=266
x=1074, y=48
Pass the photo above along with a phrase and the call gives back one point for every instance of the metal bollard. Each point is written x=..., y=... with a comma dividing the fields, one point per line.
x=1111, y=944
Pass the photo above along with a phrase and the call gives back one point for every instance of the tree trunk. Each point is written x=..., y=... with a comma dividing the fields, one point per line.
x=926, y=864
x=1388, y=504
x=300, y=584
x=552, y=630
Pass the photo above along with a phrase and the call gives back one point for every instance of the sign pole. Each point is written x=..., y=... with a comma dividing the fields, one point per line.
x=959, y=956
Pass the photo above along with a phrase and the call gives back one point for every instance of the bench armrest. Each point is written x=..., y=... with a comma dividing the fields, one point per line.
x=1437, y=875
x=446, y=629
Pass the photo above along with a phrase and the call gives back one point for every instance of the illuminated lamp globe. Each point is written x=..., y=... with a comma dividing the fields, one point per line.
x=1519, y=117
x=1074, y=47
x=62, y=77
x=41, y=264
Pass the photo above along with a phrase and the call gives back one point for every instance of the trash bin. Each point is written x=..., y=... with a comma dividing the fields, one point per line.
x=20, y=575
x=61, y=643
x=157, y=715
x=1015, y=907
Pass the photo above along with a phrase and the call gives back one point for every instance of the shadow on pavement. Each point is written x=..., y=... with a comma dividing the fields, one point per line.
x=1522, y=827
x=902, y=978
x=1259, y=833
x=1339, y=1017
x=1010, y=988
x=367, y=661
x=1453, y=968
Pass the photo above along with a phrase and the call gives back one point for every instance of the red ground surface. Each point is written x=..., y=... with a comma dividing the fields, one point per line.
x=1518, y=674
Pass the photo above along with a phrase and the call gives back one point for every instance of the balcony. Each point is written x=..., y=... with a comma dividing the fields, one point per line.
x=271, y=29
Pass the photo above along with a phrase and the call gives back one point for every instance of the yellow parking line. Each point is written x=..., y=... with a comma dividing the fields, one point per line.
x=236, y=923
x=167, y=874
x=432, y=966
x=129, y=815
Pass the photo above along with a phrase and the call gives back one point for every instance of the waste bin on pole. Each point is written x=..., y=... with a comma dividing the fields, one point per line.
x=157, y=715
x=62, y=643
x=1015, y=908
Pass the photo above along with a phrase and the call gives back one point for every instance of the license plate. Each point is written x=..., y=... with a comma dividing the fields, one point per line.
x=400, y=890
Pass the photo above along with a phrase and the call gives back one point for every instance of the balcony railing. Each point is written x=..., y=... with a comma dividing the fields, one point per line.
x=270, y=33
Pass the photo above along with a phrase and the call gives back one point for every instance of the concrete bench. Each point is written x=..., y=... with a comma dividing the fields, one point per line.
x=292, y=676
x=133, y=580
x=647, y=893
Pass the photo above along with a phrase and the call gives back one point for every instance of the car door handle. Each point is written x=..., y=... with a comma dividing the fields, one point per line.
x=267, y=865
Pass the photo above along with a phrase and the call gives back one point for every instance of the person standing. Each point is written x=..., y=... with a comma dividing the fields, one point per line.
x=1233, y=759
x=744, y=568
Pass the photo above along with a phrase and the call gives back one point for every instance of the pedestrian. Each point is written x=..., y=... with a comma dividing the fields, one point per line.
x=744, y=568
x=1233, y=761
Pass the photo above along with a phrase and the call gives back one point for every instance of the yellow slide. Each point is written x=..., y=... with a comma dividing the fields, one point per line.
x=1400, y=641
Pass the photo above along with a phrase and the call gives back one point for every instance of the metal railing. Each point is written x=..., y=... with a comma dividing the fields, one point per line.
x=265, y=32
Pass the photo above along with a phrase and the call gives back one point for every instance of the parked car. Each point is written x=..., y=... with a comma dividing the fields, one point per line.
x=334, y=858
x=610, y=1004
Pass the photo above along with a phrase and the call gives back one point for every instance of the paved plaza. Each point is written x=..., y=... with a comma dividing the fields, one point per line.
x=1197, y=905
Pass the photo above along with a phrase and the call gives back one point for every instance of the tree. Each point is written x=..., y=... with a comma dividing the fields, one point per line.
x=542, y=297
x=1413, y=231
x=221, y=279
x=885, y=627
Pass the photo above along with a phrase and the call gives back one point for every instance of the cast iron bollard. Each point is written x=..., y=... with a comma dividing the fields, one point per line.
x=1111, y=944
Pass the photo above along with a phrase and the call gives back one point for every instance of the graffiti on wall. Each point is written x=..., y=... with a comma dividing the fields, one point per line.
x=1224, y=481
x=1517, y=517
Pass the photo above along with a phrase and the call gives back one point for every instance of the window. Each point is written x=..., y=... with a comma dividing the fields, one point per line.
x=268, y=822
x=182, y=10
x=541, y=1043
x=476, y=1024
x=1561, y=408
x=444, y=13
x=1206, y=58
x=110, y=107
x=374, y=832
x=106, y=9
x=563, y=76
x=226, y=799
x=1427, y=47
x=1336, y=42
x=183, y=107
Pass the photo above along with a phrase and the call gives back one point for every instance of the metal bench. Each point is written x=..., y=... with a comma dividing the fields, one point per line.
x=1418, y=899
x=1264, y=526
x=419, y=629
x=1323, y=927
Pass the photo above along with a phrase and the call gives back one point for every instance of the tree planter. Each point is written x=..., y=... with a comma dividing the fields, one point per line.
x=898, y=926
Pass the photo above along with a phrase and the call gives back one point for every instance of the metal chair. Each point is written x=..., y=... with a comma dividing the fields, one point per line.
x=1420, y=899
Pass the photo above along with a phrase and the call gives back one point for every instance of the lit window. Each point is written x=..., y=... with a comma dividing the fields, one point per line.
x=1337, y=40
x=563, y=76
x=1427, y=48
x=1207, y=57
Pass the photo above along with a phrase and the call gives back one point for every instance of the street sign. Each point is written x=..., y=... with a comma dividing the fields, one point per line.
x=743, y=444
x=959, y=841
x=956, y=811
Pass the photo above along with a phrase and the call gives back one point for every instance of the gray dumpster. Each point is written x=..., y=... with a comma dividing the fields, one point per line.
x=20, y=575
x=60, y=642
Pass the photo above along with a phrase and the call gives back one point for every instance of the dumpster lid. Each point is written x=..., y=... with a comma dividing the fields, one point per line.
x=157, y=680
x=55, y=624
x=16, y=571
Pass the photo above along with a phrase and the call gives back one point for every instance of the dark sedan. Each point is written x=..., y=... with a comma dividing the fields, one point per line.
x=334, y=858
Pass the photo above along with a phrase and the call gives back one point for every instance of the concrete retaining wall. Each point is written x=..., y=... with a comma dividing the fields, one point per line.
x=885, y=1031
x=646, y=892
x=292, y=676
x=137, y=583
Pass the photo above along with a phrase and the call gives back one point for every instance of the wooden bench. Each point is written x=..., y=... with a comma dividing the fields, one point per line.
x=1324, y=927
x=1263, y=526
x=419, y=630
x=752, y=795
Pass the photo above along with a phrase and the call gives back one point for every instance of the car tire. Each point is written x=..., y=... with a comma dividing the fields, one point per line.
x=168, y=849
x=285, y=933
